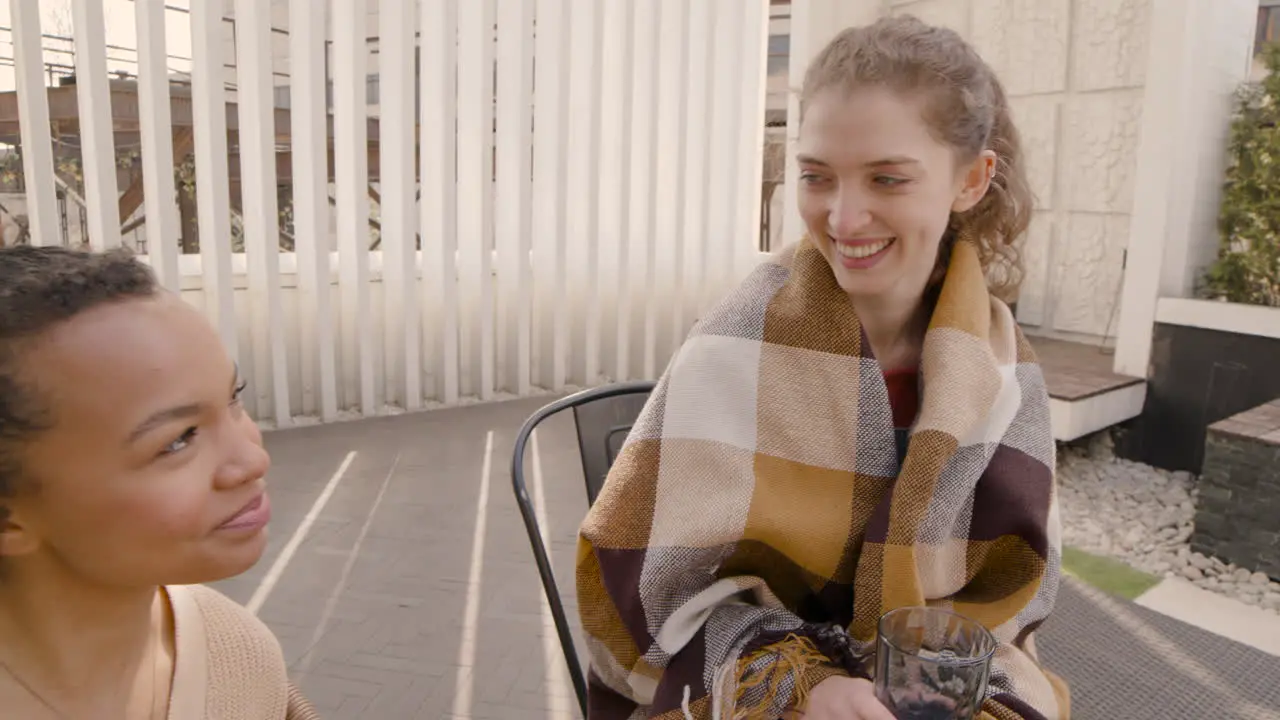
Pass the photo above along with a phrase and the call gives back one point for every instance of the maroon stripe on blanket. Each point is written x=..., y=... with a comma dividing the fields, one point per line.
x=620, y=574
x=1012, y=498
x=686, y=668
x=605, y=703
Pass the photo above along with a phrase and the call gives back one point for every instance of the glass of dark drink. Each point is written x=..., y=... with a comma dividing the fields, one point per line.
x=932, y=664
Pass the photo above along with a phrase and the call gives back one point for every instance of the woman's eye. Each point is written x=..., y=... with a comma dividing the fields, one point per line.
x=810, y=178
x=889, y=180
x=238, y=394
x=181, y=443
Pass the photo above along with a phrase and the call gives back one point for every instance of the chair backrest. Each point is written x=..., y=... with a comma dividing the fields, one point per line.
x=603, y=417
x=603, y=425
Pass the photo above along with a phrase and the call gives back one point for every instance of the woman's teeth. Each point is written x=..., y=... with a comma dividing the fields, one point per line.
x=863, y=250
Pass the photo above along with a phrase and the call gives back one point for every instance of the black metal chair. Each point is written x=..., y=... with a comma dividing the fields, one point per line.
x=603, y=417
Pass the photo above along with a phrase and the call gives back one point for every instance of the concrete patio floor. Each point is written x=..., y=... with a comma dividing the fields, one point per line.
x=401, y=585
x=413, y=592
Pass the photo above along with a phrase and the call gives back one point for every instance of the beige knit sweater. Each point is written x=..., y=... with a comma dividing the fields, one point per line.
x=228, y=665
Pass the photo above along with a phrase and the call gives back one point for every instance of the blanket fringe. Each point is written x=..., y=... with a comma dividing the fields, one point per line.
x=792, y=657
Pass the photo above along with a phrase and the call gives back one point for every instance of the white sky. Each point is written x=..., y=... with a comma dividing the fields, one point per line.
x=121, y=31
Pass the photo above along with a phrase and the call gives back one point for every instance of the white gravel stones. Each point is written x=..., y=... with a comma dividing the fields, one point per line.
x=1143, y=516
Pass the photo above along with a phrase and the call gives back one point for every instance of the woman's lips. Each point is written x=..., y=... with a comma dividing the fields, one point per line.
x=863, y=253
x=253, y=516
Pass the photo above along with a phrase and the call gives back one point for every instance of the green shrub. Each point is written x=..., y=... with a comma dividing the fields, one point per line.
x=1248, y=266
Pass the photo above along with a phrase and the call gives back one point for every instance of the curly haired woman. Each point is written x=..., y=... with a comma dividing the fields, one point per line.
x=859, y=426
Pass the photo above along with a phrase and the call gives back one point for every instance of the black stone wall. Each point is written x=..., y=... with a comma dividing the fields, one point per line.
x=1197, y=378
x=1238, y=510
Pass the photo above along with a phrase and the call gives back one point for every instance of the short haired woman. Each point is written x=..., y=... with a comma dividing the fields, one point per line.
x=129, y=471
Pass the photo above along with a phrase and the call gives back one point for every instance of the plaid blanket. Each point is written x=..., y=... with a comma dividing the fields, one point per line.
x=758, y=522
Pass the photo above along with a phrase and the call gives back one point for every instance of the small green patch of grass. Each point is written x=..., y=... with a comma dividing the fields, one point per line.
x=1106, y=574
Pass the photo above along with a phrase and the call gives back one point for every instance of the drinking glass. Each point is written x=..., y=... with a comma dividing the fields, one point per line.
x=932, y=664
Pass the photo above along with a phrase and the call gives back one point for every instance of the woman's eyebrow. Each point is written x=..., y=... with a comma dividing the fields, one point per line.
x=894, y=160
x=883, y=162
x=179, y=412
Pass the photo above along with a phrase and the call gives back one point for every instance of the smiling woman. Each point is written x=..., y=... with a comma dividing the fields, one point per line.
x=858, y=427
x=129, y=472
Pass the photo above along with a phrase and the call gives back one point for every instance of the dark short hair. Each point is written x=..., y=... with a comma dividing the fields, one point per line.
x=41, y=287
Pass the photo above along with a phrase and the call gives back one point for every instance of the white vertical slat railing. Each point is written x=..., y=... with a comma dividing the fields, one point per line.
x=33, y=122
x=351, y=189
x=438, y=143
x=583, y=188
x=155, y=121
x=310, y=167
x=97, y=139
x=402, y=325
x=270, y=386
x=213, y=194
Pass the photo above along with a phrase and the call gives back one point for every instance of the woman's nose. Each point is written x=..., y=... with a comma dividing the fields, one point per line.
x=848, y=215
x=245, y=459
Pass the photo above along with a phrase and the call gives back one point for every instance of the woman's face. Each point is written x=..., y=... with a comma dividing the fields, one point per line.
x=151, y=473
x=877, y=189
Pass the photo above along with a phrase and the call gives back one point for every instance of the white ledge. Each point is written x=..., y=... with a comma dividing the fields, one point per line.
x=1217, y=315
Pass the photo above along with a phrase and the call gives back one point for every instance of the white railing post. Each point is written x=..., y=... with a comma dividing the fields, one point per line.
x=751, y=118
x=726, y=165
x=213, y=194
x=310, y=167
x=673, y=111
x=550, y=143
x=351, y=178
x=156, y=125
x=513, y=190
x=261, y=218
x=402, y=324
x=622, y=19
x=583, y=272
x=802, y=51
x=439, y=195
x=97, y=124
x=33, y=123
x=475, y=191
x=700, y=228
x=643, y=240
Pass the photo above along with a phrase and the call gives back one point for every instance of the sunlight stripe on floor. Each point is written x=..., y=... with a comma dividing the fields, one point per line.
x=464, y=677
x=554, y=679
x=309, y=655
x=269, y=580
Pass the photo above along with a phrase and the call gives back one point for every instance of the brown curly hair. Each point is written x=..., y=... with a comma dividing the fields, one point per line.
x=965, y=108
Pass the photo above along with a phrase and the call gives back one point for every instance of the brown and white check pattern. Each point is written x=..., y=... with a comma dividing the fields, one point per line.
x=759, y=504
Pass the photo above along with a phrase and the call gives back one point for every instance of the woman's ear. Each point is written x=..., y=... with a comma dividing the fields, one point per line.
x=975, y=180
